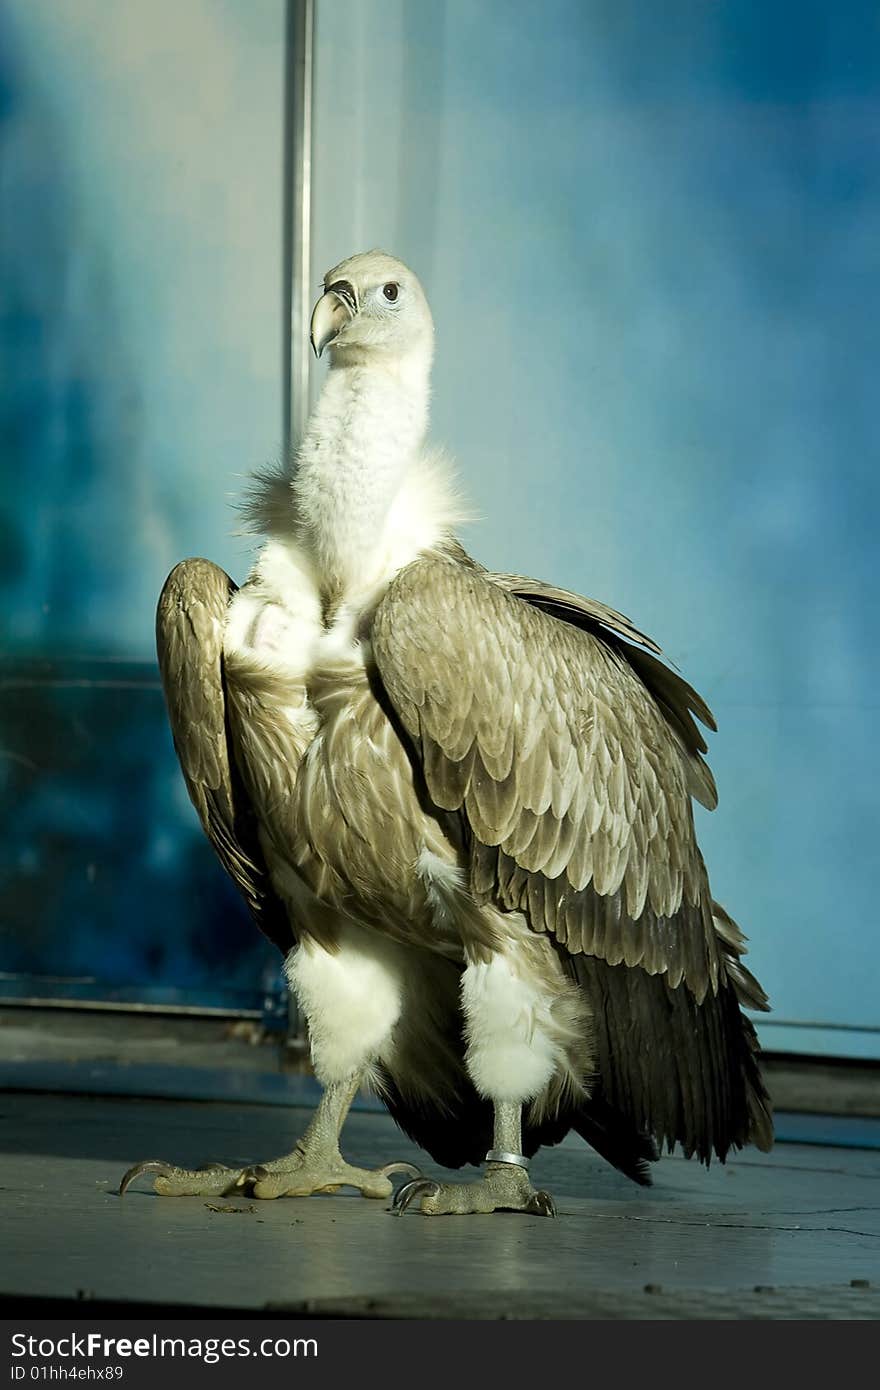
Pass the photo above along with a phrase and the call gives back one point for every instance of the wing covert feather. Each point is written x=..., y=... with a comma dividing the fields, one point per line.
x=573, y=763
x=678, y=700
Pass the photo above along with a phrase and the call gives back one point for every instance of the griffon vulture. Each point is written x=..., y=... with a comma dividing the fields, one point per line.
x=460, y=803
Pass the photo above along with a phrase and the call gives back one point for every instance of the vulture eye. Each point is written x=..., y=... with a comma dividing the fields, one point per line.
x=391, y=291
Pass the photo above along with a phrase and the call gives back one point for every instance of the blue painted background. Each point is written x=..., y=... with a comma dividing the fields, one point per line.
x=140, y=342
x=651, y=238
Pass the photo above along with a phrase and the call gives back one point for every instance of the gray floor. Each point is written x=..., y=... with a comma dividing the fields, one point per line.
x=792, y=1234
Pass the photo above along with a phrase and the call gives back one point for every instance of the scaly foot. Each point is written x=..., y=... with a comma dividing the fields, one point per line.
x=298, y=1174
x=505, y=1187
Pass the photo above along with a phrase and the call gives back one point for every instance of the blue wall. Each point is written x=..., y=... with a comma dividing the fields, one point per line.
x=141, y=273
x=140, y=340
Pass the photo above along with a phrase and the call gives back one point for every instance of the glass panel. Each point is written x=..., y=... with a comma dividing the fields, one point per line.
x=140, y=351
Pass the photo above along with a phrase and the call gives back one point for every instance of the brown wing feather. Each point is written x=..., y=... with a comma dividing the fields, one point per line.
x=678, y=700
x=573, y=608
x=574, y=776
x=189, y=640
x=573, y=755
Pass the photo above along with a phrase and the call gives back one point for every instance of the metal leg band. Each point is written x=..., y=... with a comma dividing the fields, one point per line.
x=502, y=1156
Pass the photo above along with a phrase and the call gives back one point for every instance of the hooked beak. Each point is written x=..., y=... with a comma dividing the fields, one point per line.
x=334, y=310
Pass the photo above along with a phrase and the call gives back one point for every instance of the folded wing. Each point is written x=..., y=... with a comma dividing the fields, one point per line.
x=572, y=755
x=575, y=776
x=189, y=640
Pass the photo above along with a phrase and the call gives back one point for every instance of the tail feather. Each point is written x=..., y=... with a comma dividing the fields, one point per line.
x=617, y=1140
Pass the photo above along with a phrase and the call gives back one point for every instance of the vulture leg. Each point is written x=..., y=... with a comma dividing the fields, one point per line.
x=505, y=1186
x=526, y=1030
x=315, y=1165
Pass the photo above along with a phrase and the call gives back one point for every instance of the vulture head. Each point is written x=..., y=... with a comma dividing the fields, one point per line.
x=372, y=304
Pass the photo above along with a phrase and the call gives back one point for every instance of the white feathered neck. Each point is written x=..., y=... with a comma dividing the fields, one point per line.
x=365, y=495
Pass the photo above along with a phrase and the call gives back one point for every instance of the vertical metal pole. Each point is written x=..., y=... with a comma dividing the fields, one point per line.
x=296, y=251
x=297, y=214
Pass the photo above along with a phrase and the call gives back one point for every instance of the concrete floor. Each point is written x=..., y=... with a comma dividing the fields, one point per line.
x=792, y=1234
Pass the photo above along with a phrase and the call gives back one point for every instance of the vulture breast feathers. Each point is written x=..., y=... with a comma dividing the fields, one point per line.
x=571, y=752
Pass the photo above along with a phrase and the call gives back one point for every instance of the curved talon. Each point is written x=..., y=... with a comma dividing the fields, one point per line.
x=149, y=1165
x=170, y=1171
x=417, y=1187
x=391, y=1168
x=401, y=1197
x=541, y=1204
